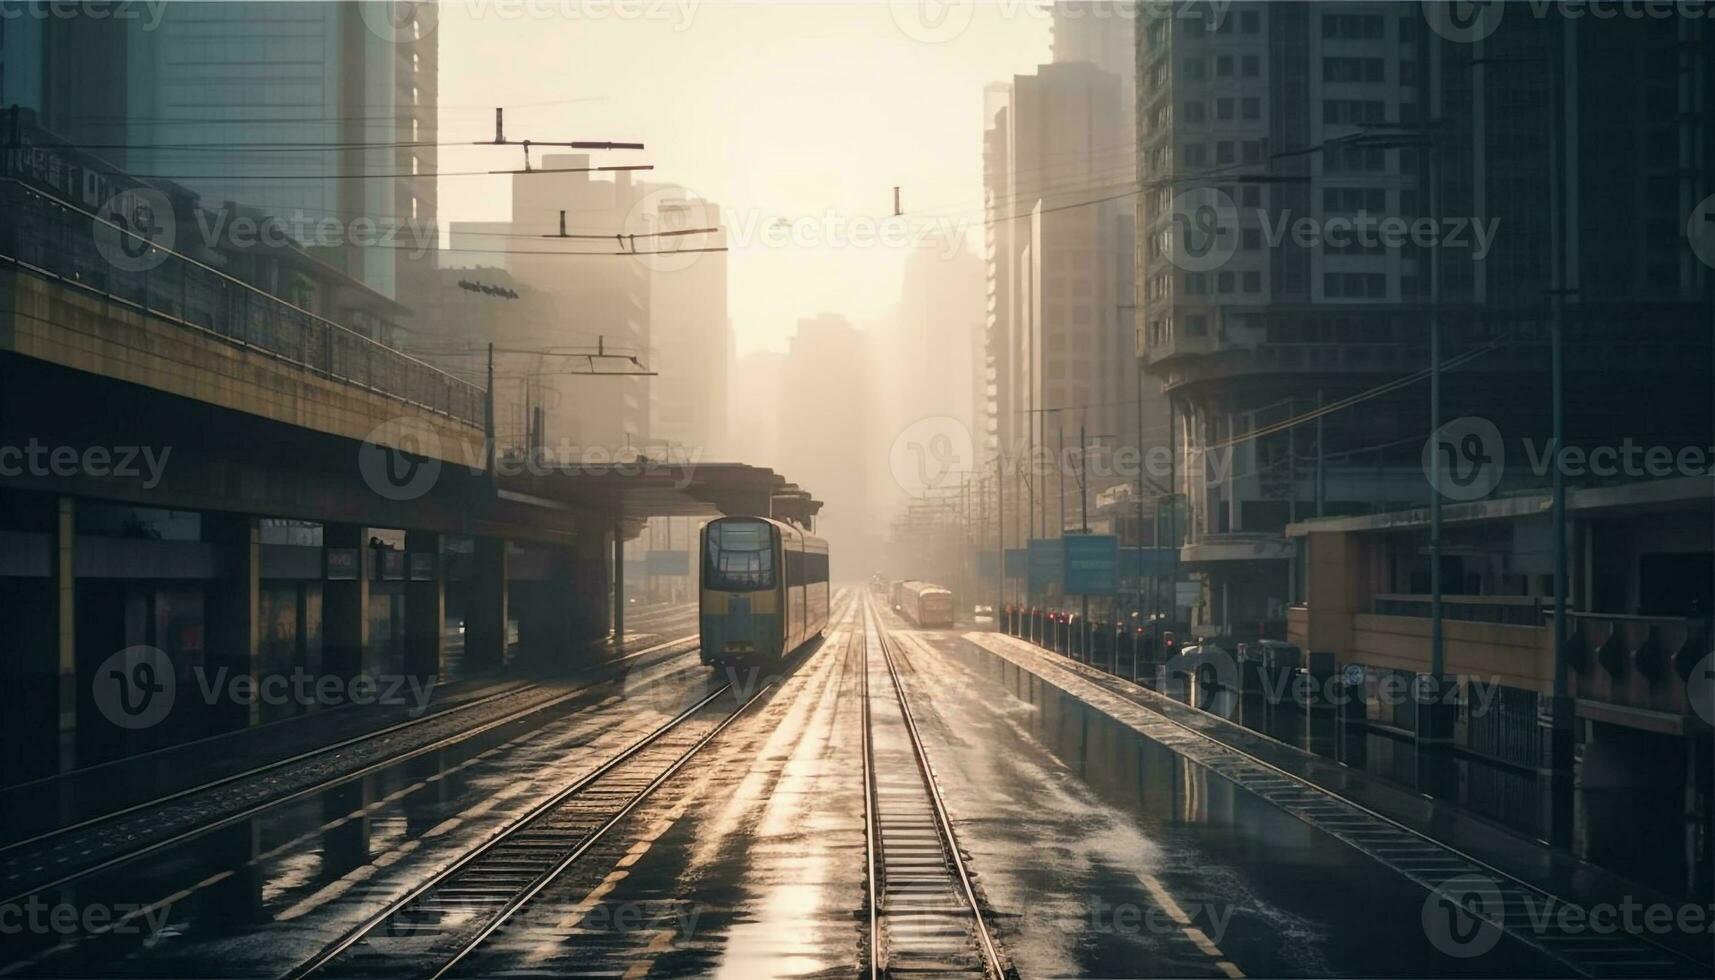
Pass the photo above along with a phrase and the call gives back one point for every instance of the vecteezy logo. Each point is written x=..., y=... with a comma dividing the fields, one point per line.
x=1203, y=229
x=399, y=21
x=1464, y=459
x=1700, y=231
x=134, y=229
x=931, y=454
x=932, y=21
x=667, y=225
x=1459, y=917
x=1700, y=688
x=1464, y=21
x=1354, y=675
x=135, y=687
x=399, y=459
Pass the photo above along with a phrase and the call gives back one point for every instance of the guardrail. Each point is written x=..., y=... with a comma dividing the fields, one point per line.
x=1504, y=610
x=52, y=238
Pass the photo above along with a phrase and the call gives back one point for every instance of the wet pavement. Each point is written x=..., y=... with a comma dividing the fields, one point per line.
x=1107, y=839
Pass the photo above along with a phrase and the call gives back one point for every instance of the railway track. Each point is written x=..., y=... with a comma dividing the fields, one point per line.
x=37, y=853
x=924, y=912
x=445, y=921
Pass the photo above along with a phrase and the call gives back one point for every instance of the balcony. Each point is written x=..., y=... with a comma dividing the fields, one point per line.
x=1502, y=609
x=1636, y=663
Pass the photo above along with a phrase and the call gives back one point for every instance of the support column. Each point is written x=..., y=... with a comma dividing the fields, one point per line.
x=590, y=577
x=425, y=605
x=618, y=583
x=1433, y=709
x=485, y=622
x=544, y=612
x=345, y=600
x=39, y=691
x=233, y=614
x=1554, y=721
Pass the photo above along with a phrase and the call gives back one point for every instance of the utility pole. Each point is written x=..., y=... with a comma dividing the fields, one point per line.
x=1060, y=465
x=488, y=420
x=1000, y=532
x=1437, y=657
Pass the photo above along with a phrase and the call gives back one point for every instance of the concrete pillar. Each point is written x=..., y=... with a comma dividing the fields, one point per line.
x=485, y=621
x=425, y=604
x=345, y=599
x=545, y=614
x=232, y=612
x=1433, y=709
x=1554, y=726
x=618, y=583
x=591, y=611
x=40, y=695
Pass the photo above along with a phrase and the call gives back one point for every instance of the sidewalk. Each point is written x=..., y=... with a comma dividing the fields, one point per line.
x=1536, y=864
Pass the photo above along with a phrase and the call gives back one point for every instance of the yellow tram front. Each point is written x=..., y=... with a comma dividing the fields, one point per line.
x=764, y=590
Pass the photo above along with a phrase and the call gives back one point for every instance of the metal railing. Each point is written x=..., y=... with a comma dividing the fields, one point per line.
x=1503, y=610
x=52, y=238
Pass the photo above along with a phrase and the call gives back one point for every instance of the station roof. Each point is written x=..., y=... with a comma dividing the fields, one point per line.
x=638, y=490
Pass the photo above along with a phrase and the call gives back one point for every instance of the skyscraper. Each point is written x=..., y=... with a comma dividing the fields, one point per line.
x=1272, y=139
x=322, y=114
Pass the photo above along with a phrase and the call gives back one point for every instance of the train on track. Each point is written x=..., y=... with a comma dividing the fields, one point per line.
x=764, y=590
x=925, y=604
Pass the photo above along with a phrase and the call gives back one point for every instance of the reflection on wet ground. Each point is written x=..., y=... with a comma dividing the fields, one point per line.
x=1091, y=837
x=254, y=898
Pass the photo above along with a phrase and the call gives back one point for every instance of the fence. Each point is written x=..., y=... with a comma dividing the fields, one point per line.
x=50, y=237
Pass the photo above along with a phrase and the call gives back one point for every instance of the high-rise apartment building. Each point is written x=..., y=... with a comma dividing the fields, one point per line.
x=320, y=114
x=1273, y=140
x=690, y=332
x=1058, y=253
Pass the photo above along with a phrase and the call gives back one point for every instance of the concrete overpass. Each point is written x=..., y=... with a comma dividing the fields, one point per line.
x=191, y=464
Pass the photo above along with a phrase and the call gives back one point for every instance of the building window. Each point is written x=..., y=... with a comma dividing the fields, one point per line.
x=1253, y=151
x=1193, y=112
x=1352, y=69
x=1252, y=108
x=1250, y=22
x=1352, y=27
x=1196, y=284
x=1224, y=66
x=1253, y=281
x=1354, y=285
x=1251, y=66
x=1250, y=239
x=1193, y=70
x=1224, y=152
x=1224, y=110
x=1353, y=111
x=1224, y=283
x=1354, y=199
x=1252, y=196
x=1194, y=154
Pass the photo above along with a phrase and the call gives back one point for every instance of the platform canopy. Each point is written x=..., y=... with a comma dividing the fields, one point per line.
x=637, y=490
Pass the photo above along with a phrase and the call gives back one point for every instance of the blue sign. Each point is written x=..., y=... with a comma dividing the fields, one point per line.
x=1015, y=562
x=1155, y=561
x=1043, y=569
x=1092, y=563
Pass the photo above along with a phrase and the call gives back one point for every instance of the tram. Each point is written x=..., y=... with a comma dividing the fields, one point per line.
x=764, y=590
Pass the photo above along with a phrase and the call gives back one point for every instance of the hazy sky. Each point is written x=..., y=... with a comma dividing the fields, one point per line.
x=797, y=118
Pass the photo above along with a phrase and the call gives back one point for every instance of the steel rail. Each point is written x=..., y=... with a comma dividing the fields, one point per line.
x=962, y=873
x=254, y=809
